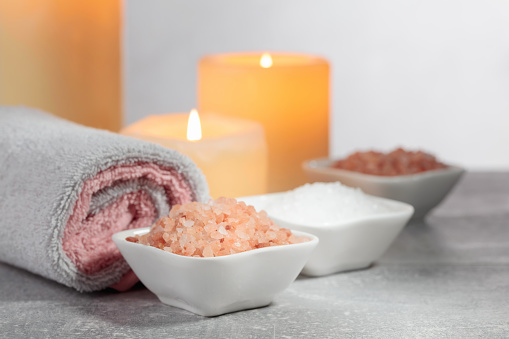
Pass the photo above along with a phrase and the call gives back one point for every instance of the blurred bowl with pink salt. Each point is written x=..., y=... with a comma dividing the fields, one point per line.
x=416, y=178
x=354, y=228
x=215, y=258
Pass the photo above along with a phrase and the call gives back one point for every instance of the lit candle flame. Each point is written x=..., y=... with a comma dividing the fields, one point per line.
x=193, y=126
x=266, y=60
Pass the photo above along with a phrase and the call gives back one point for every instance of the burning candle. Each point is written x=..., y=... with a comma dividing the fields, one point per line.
x=231, y=152
x=287, y=93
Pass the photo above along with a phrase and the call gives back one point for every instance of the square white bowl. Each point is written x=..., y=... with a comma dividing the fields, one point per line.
x=346, y=245
x=217, y=285
x=423, y=190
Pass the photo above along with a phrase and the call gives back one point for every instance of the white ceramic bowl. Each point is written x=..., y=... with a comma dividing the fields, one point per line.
x=348, y=245
x=214, y=286
x=424, y=190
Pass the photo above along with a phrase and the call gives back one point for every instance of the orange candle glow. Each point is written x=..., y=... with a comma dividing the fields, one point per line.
x=63, y=57
x=231, y=152
x=287, y=93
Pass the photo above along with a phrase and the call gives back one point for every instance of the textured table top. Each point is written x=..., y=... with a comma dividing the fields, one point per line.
x=447, y=276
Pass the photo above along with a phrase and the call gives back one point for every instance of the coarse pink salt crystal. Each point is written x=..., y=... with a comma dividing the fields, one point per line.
x=219, y=227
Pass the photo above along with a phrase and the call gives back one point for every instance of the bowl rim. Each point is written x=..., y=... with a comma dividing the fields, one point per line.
x=403, y=209
x=122, y=235
x=323, y=165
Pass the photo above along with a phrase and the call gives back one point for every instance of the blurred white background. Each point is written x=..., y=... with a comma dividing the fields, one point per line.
x=429, y=74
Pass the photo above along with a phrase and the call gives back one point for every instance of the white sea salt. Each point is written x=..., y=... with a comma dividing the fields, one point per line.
x=323, y=204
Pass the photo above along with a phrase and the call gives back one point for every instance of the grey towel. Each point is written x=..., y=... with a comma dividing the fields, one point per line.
x=65, y=189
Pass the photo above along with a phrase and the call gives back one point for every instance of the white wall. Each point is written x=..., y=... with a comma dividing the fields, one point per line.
x=428, y=74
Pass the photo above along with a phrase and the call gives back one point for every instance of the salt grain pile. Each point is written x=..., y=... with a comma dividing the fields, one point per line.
x=220, y=227
x=323, y=204
x=397, y=162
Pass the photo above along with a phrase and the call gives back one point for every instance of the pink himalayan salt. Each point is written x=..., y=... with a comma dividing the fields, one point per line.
x=220, y=227
x=397, y=162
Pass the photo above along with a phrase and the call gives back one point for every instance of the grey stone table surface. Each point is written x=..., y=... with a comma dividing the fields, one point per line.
x=446, y=276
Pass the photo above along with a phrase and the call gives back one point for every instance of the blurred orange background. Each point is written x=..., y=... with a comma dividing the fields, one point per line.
x=63, y=57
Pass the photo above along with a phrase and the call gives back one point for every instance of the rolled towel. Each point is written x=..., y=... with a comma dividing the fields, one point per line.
x=65, y=189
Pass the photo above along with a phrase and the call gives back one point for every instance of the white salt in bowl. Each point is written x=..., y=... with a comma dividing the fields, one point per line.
x=344, y=245
x=217, y=285
x=423, y=191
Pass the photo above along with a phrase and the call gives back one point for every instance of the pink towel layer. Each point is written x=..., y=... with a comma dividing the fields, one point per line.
x=86, y=239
